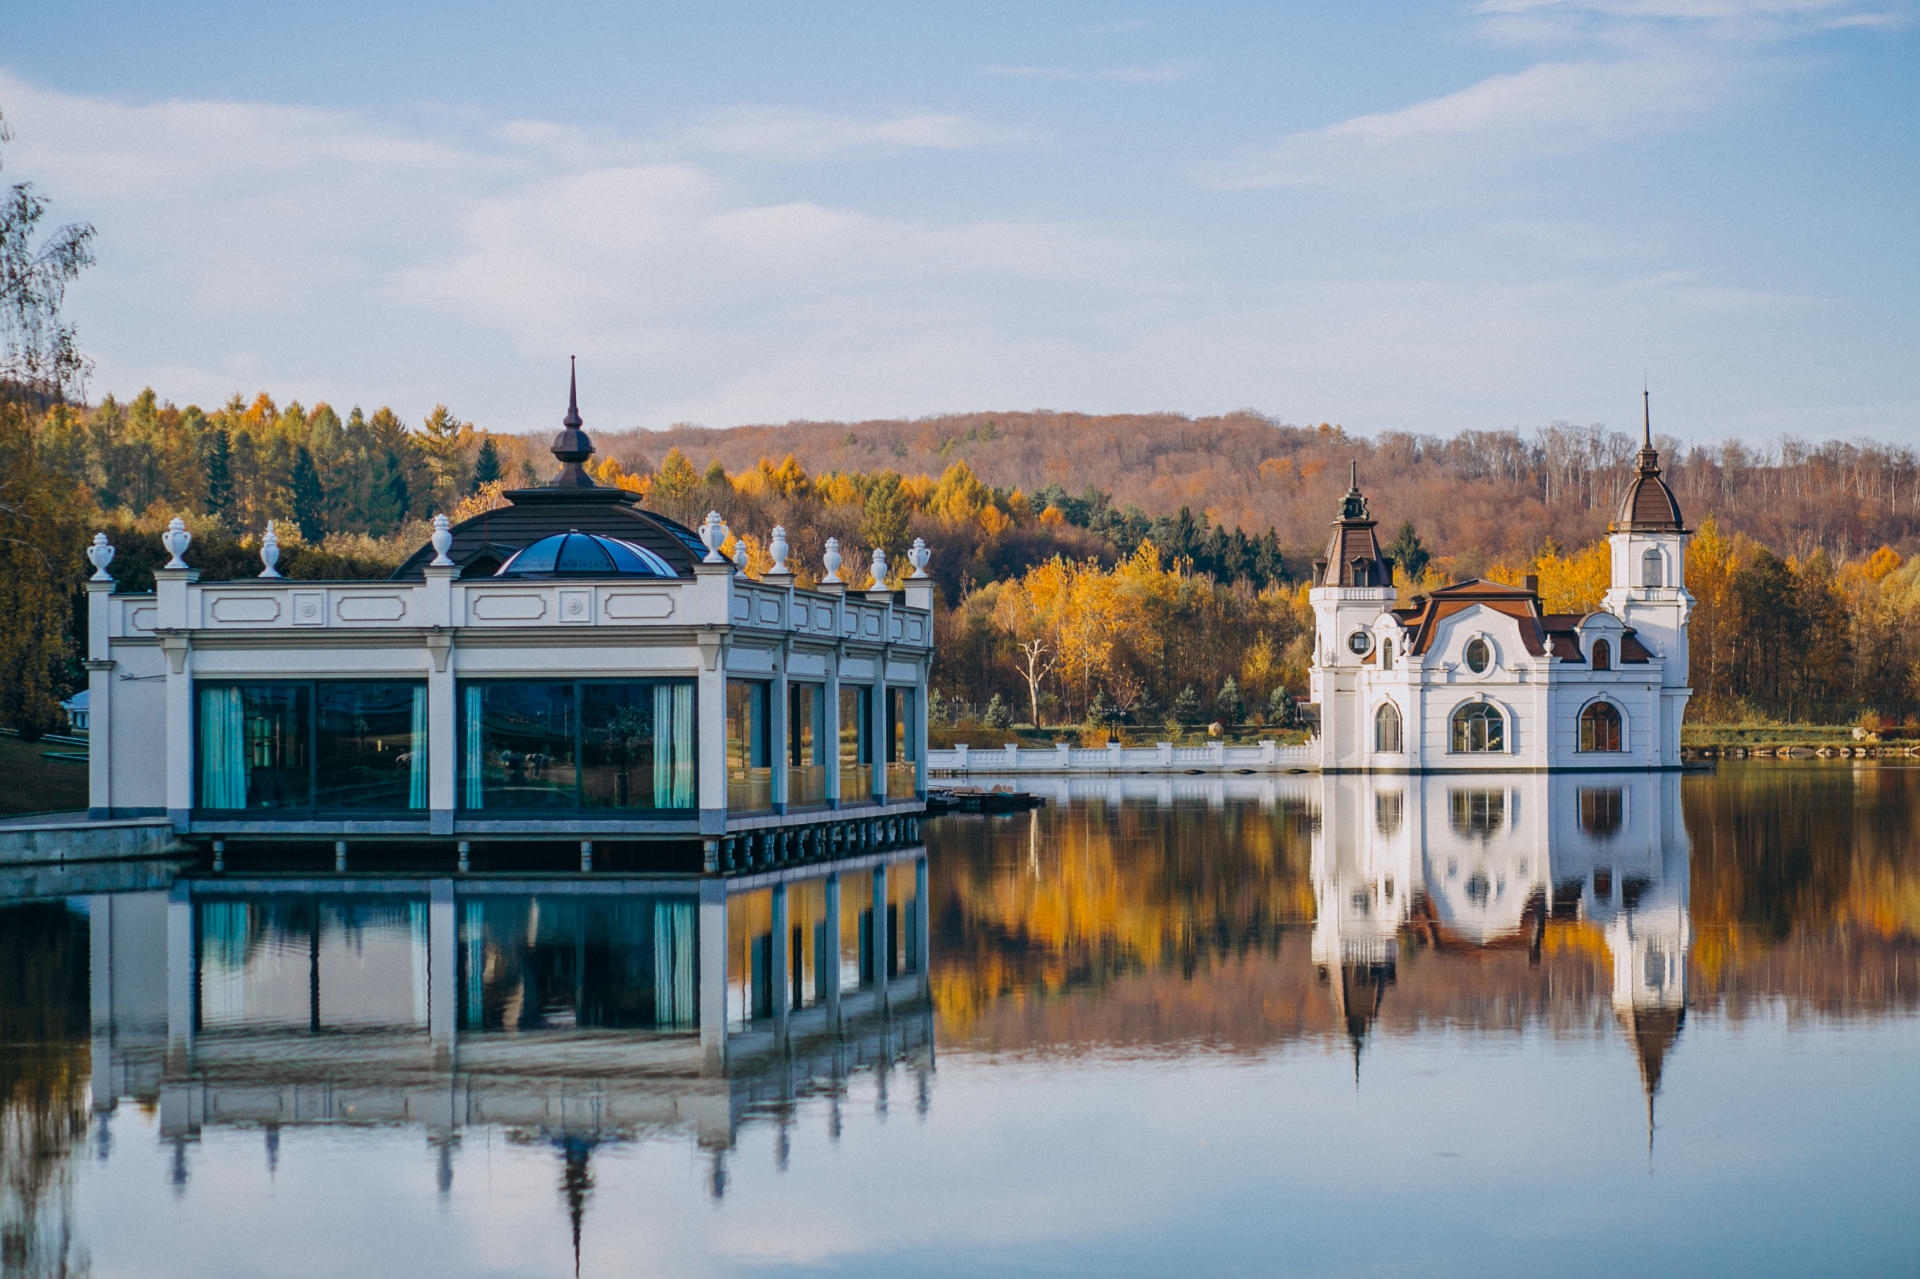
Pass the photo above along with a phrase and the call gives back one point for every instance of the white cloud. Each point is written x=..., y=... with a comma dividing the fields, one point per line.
x=793, y=135
x=1622, y=67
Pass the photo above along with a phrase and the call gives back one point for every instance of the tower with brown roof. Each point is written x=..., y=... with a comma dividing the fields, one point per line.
x=1648, y=540
x=1352, y=587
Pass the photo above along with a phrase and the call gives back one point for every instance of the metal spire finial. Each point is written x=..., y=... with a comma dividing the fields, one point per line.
x=1646, y=417
x=573, y=397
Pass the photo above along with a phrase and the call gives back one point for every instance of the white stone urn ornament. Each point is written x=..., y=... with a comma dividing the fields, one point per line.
x=832, y=561
x=713, y=535
x=442, y=540
x=778, y=548
x=176, y=540
x=918, y=556
x=878, y=568
x=100, y=554
x=739, y=555
x=270, y=552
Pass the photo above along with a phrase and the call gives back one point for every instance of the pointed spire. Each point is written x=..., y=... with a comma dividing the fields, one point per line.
x=572, y=445
x=1353, y=506
x=1649, y=458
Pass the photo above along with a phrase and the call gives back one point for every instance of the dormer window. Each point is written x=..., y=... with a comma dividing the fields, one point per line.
x=1479, y=655
x=1653, y=568
x=1602, y=655
x=1362, y=572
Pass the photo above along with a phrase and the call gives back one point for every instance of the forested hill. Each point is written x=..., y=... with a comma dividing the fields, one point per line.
x=1498, y=493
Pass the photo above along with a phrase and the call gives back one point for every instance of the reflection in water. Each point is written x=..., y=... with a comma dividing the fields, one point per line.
x=571, y=1014
x=1295, y=925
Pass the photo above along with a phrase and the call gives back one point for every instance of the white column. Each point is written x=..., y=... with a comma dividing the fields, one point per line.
x=778, y=755
x=711, y=720
x=877, y=722
x=832, y=744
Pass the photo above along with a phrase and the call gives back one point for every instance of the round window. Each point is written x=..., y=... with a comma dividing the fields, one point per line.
x=1360, y=642
x=1479, y=656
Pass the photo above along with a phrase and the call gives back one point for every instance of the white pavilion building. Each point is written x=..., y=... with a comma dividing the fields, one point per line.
x=572, y=669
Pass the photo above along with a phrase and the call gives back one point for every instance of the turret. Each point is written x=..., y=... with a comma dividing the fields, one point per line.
x=1648, y=540
x=1352, y=585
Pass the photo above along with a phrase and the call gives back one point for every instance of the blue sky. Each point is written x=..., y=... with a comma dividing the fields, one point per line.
x=1388, y=216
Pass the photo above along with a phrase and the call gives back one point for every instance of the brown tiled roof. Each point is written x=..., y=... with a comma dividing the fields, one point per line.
x=1515, y=601
x=1648, y=506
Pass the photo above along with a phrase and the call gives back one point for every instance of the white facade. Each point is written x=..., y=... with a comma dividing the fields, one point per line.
x=633, y=687
x=1475, y=676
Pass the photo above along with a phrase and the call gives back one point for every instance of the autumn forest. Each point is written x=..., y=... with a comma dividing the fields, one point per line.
x=1140, y=570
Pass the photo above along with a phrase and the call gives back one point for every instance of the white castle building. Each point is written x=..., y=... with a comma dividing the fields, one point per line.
x=572, y=669
x=1476, y=676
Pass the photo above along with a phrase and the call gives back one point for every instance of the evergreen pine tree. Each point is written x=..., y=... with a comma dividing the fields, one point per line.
x=309, y=498
x=219, y=464
x=486, y=467
x=997, y=716
x=1186, y=707
x=1228, y=705
x=1281, y=712
x=1407, y=552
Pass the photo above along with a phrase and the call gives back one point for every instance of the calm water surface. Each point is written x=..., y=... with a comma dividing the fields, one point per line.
x=1584, y=1024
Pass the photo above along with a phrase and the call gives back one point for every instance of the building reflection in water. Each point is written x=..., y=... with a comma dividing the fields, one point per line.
x=1254, y=910
x=572, y=1012
x=1493, y=862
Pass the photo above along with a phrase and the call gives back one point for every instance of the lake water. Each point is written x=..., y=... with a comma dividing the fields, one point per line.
x=1579, y=1024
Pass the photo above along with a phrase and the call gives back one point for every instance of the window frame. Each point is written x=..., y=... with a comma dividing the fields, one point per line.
x=1588, y=716
x=1399, y=746
x=577, y=808
x=312, y=809
x=1466, y=655
x=1482, y=713
x=1655, y=556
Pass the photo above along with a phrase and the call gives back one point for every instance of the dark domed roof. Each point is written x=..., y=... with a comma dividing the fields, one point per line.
x=572, y=503
x=577, y=554
x=1648, y=506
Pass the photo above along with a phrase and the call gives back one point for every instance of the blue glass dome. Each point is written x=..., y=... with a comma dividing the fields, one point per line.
x=578, y=554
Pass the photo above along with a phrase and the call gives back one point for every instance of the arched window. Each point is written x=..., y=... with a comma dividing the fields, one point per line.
x=1386, y=655
x=1479, y=655
x=1600, y=727
x=1479, y=729
x=1602, y=655
x=1362, y=572
x=1653, y=567
x=1386, y=729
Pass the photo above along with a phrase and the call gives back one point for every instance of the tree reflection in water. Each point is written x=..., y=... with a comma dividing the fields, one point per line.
x=43, y=1085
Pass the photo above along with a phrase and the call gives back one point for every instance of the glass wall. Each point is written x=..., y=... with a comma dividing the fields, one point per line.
x=806, y=745
x=570, y=744
x=903, y=745
x=856, y=743
x=311, y=744
x=749, y=747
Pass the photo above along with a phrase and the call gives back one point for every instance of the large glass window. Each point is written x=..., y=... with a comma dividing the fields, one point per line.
x=572, y=963
x=565, y=744
x=903, y=745
x=806, y=744
x=1653, y=568
x=370, y=747
x=856, y=743
x=1600, y=727
x=749, y=747
x=1479, y=729
x=312, y=744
